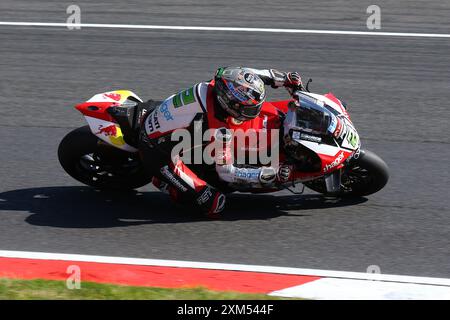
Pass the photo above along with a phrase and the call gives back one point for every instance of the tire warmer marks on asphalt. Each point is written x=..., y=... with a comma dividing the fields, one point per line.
x=151, y=276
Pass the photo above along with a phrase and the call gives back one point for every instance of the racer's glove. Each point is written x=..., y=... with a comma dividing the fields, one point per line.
x=293, y=83
x=284, y=173
x=290, y=80
x=293, y=80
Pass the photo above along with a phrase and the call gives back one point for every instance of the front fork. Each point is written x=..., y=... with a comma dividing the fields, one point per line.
x=333, y=181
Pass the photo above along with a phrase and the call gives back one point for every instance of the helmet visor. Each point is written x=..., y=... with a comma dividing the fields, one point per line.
x=251, y=111
x=235, y=104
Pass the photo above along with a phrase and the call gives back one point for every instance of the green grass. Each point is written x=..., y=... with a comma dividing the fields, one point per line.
x=12, y=289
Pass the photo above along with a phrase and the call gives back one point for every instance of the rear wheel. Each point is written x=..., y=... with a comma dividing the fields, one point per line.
x=367, y=175
x=93, y=162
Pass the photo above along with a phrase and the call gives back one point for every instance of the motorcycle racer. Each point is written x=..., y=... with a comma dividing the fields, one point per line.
x=235, y=95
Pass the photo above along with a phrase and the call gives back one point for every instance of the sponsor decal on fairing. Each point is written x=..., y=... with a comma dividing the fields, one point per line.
x=335, y=163
x=164, y=109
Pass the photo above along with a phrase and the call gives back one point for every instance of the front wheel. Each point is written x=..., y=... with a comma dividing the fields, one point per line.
x=367, y=175
x=93, y=162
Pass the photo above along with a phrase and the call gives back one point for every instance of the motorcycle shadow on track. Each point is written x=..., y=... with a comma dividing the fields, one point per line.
x=84, y=207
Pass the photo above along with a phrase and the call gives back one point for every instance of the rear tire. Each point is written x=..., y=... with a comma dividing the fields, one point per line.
x=368, y=175
x=93, y=162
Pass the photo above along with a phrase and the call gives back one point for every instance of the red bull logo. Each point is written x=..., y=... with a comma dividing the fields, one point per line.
x=110, y=130
x=113, y=96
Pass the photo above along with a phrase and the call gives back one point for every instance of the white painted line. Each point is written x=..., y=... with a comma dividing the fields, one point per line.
x=350, y=289
x=225, y=266
x=229, y=29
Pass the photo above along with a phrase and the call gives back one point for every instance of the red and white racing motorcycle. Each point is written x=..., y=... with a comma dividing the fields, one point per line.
x=104, y=154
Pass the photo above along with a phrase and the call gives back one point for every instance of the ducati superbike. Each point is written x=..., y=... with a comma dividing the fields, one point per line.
x=104, y=154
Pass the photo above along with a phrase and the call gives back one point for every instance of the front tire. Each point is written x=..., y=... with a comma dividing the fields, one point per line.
x=93, y=162
x=367, y=175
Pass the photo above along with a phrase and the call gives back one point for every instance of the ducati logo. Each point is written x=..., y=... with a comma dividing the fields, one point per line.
x=112, y=95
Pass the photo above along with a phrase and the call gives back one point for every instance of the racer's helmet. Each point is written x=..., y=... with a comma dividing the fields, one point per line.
x=240, y=92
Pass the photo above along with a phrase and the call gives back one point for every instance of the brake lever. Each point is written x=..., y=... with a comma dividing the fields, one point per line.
x=307, y=85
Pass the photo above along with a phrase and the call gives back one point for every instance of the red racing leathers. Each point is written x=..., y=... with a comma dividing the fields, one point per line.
x=195, y=110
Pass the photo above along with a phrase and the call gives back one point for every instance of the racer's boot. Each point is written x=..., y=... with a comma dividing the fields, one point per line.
x=211, y=202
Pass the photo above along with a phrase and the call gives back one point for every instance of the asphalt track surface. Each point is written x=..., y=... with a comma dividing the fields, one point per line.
x=398, y=91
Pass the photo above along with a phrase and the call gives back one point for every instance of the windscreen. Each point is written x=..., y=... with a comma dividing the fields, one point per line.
x=312, y=116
